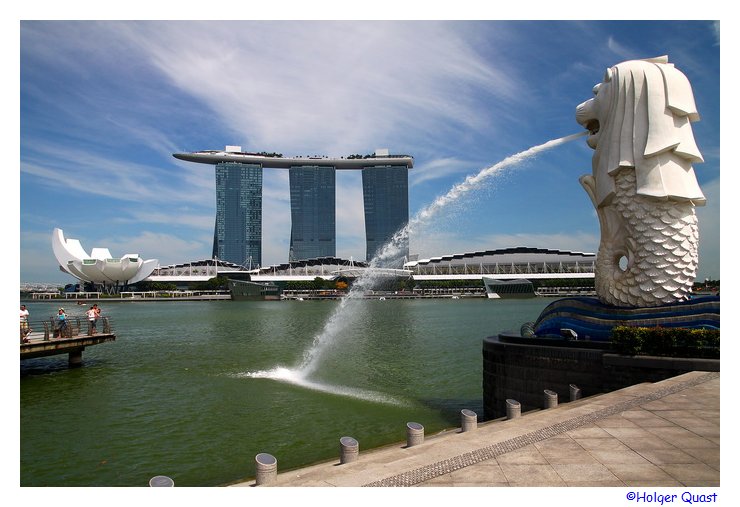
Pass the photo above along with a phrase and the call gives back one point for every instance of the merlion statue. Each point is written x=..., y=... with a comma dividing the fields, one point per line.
x=643, y=185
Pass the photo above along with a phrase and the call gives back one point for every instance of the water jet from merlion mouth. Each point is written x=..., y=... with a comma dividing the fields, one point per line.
x=341, y=318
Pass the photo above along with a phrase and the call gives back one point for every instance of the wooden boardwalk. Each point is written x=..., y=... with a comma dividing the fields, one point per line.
x=43, y=340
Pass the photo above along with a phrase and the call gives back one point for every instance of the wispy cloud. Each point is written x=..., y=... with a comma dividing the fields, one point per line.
x=197, y=221
x=439, y=168
x=167, y=248
x=325, y=86
x=618, y=49
x=76, y=169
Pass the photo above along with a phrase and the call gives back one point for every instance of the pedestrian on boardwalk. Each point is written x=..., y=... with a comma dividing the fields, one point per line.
x=98, y=311
x=61, y=323
x=25, y=330
x=92, y=318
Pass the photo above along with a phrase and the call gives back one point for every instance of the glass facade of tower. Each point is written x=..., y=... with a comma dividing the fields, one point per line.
x=385, y=193
x=312, y=212
x=238, y=233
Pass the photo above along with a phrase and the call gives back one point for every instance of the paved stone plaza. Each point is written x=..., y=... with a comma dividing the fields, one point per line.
x=661, y=434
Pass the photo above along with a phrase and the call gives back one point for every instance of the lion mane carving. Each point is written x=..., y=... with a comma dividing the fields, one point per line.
x=643, y=184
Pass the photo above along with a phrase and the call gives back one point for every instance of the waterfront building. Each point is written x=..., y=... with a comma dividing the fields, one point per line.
x=238, y=231
x=99, y=266
x=519, y=262
x=312, y=212
x=385, y=192
x=506, y=264
x=237, y=234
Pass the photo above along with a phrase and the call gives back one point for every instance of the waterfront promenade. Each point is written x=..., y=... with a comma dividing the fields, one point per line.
x=664, y=434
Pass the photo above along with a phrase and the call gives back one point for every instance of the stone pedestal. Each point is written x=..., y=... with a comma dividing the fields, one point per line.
x=517, y=368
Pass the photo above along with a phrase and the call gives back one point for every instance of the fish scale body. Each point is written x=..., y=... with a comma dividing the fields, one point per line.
x=662, y=258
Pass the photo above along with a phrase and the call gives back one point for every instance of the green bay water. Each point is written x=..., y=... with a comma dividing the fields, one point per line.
x=180, y=392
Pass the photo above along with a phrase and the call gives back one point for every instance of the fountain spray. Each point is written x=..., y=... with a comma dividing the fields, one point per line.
x=340, y=320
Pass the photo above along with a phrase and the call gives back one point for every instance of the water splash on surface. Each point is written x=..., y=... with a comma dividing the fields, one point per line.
x=298, y=377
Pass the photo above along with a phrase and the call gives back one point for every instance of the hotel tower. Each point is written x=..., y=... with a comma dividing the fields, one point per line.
x=237, y=234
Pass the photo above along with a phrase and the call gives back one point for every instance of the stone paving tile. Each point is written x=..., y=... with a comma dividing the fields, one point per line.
x=681, y=402
x=671, y=433
x=693, y=474
x=564, y=450
x=628, y=432
x=572, y=458
x=482, y=474
x=686, y=420
x=588, y=432
x=646, y=443
x=653, y=421
x=668, y=456
x=658, y=405
x=708, y=456
x=609, y=457
x=689, y=441
x=575, y=473
x=609, y=443
x=525, y=456
x=445, y=481
x=709, y=414
x=653, y=483
x=614, y=483
x=557, y=444
x=673, y=414
x=701, y=428
x=615, y=422
x=531, y=475
x=641, y=473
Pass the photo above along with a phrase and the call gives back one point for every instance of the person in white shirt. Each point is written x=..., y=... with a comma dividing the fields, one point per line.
x=92, y=317
x=24, y=324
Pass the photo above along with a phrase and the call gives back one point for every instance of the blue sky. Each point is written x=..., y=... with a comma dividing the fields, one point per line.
x=103, y=105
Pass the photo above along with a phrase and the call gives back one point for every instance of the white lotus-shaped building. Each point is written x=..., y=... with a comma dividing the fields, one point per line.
x=100, y=266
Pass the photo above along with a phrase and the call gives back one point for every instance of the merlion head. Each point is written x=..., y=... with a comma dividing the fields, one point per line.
x=641, y=118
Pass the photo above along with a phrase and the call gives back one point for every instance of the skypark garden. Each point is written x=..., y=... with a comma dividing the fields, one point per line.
x=275, y=160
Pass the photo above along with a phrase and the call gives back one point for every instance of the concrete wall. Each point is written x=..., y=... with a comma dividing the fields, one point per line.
x=522, y=368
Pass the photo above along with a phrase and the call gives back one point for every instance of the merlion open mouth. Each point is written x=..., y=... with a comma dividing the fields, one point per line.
x=593, y=127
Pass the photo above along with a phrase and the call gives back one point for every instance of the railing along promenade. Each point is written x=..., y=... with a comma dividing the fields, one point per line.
x=126, y=295
x=48, y=337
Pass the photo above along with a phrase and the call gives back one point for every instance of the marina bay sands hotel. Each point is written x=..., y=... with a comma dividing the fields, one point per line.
x=237, y=234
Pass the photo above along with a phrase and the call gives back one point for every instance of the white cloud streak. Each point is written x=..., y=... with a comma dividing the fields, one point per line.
x=439, y=168
x=83, y=171
x=330, y=86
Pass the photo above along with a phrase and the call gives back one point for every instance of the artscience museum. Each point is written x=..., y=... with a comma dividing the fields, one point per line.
x=99, y=267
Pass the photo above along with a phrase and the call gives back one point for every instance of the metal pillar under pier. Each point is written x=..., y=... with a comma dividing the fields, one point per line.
x=75, y=358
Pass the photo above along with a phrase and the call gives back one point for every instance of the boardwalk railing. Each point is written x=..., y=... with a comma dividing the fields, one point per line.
x=74, y=327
